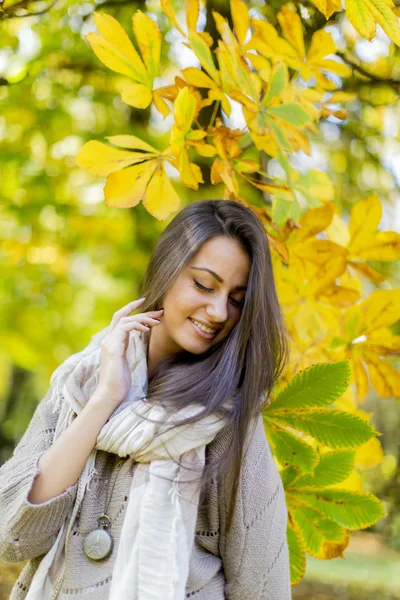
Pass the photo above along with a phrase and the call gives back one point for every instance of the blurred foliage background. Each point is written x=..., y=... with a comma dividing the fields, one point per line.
x=68, y=261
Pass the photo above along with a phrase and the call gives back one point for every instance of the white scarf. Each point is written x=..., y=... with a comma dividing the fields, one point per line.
x=158, y=530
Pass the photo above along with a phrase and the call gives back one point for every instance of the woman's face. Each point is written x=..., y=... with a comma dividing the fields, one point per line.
x=222, y=268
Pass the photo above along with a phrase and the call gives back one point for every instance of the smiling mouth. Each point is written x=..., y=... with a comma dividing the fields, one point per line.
x=202, y=333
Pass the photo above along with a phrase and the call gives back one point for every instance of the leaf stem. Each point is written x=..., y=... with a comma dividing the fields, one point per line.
x=214, y=114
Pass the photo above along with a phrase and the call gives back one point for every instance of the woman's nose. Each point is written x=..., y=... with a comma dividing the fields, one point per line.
x=217, y=311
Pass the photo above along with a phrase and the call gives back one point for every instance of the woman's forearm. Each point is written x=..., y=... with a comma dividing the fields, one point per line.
x=61, y=465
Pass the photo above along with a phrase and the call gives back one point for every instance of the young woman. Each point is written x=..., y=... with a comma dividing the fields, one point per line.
x=145, y=472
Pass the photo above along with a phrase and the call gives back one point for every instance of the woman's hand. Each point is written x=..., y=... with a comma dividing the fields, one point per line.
x=115, y=376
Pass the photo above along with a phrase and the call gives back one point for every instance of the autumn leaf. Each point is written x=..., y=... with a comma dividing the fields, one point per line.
x=365, y=14
x=183, y=138
x=114, y=48
x=99, y=159
x=292, y=49
x=328, y=7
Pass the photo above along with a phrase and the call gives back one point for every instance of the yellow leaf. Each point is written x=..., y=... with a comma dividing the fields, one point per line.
x=192, y=13
x=197, y=77
x=383, y=13
x=225, y=68
x=342, y=97
x=364, y=220
x=292, y=28
x=261, y=64
x=114, y=48
x=383, y=341
x=347, y=401
x=197, y=173
x=131, y=141
x=160, y=197
x=339, y=296
x=384, y=245
x=98, y=159
x=369, y=454
x=196, y=135
x=361, y=18
x=380, y=309
x=204, y=149
x=136, y=94
x=328, y=7
x=267, y=41
x=207, y=37
x=366, y=270
x=203, y=53
x=313, y=221
x=160, y=104
x=334, y=66
x=338, y=231
x=222, y=171
x=384, y=377
x=168, y=9
x=239, y=69
x=127, y=187
x=271, y=188
x=360, y=378
x=185, y=108
x=148, y=37
x=218, y=95
x=241, y=19
x=265, y=142
x=322, y=44
x=353, y=482
x=246, y=166
x=188, y=171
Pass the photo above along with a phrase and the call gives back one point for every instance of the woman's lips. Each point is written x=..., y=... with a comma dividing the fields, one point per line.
x=203, y=334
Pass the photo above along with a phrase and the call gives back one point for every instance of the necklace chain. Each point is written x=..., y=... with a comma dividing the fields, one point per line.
x=118, y=468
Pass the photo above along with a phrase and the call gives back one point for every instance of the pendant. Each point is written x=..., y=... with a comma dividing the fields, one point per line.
x=99, y=543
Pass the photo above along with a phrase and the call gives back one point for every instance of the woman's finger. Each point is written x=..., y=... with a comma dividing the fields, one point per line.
x=140, y=319
x=124, y=311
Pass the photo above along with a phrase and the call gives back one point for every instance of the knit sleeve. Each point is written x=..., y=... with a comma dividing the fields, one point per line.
x=28, y=530
x=255, y=552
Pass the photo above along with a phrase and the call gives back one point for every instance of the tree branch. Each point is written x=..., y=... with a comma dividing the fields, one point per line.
x=394, y=83
x=12, y=11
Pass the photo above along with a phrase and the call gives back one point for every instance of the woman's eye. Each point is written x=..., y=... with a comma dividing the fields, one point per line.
x=201, y=287
x=236, y=303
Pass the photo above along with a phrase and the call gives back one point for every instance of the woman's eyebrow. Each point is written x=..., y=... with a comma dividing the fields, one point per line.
x=218, y=277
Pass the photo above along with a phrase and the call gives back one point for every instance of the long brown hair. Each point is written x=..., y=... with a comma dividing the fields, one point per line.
x=246, y=364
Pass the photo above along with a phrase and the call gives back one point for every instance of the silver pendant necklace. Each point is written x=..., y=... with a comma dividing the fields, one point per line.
x=99, y=543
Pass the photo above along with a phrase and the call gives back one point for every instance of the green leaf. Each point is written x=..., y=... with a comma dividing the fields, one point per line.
x=289, y=475
x=203, y=53
x=279, y=134
x=291, y=449
x=285, y=164
x=317, y=386
x=297, y=555
x=277, y=82
x=322, y=537
x=280, y=211
x=334, y=467
x=353, y=510
x=334, y=428
x=291, y=113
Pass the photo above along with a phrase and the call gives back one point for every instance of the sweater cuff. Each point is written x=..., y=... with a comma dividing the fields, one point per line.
x=45, y=516
x=63, y=498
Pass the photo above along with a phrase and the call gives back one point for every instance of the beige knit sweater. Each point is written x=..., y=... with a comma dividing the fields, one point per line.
x=251, y=563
